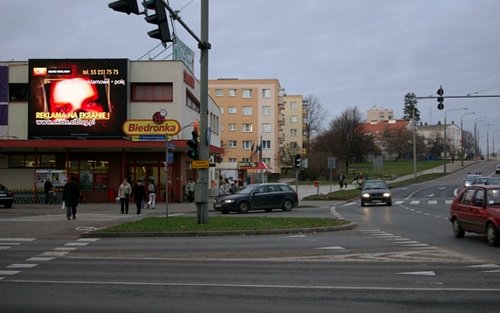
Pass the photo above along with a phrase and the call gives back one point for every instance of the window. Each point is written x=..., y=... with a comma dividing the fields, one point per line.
x=219, y=92
x=266, y=144
x=247, y=127
x=232, y=92
x=231, y=110
x=232, y=144
x=247, y=144
x=192, y=102
x=266, y=160
x=267, y=128
x=152, y=92
x=293, y=132
x=247, y=93
x=246, y=160
x=231, y=126
x=246, y=110
x=266, y=93
x=266, y=110
x=293, y=119
x=293, y=105
x=18, y=92
x=233, y=160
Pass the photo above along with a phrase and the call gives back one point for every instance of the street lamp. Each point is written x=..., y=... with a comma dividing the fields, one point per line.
x=481, y=118
x=494, y=154
x=444, y=148
x=462, y=136
x=478, y=128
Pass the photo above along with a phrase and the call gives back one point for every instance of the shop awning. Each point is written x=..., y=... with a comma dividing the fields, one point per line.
x=258, y=166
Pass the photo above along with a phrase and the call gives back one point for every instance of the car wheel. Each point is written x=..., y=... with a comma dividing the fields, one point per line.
x=8, y=205
x=492, y=235
x=389, y=203
x=362, y=203
x=458, y=231
x=243, y=207
x=225, y=211
x=287, y=205
x=268, y=210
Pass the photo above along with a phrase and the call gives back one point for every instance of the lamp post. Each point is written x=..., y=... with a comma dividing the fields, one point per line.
x=414, y=145
x=494, y=154
x=444, y=146
x=481, y=118
x=478, y=128
x=462, y=136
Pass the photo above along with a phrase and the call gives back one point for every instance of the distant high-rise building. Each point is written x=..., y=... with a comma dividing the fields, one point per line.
x=379, y=115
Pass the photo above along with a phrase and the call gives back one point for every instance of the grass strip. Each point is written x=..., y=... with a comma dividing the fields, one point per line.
x=189, y=224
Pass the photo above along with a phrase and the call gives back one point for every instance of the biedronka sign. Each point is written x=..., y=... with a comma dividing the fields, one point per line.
x=149, y=127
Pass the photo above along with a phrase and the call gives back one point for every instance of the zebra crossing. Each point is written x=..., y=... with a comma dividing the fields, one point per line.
x=414, y=202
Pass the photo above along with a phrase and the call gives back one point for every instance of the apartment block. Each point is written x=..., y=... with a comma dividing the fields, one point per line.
x=251, y=121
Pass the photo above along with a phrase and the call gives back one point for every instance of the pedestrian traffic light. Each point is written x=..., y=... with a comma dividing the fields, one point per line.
x=193, y=152
x=298, y=160
x=159, y=18
x=125, y=6
x=440, y=99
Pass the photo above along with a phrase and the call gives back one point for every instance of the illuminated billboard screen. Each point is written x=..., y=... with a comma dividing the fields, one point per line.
x=77, y=98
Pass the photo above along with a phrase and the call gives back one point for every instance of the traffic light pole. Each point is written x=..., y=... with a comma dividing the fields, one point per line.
x=202, y=183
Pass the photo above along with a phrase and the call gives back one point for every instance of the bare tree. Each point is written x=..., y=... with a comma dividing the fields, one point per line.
x=398, y=140
x=315, y=118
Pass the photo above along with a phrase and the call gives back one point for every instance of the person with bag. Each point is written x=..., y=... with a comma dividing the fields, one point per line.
x=152, y=194
x=71, y=194
x=124, y=194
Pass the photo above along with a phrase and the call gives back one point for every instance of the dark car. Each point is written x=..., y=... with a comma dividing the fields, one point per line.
x=265, y=196
x=493, y=181
x=477, y=209
x=497, y=169
x=375, y=191
x=6, y=196
x=470, y=179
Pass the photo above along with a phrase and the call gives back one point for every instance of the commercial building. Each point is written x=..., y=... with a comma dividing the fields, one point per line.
x=100, y=120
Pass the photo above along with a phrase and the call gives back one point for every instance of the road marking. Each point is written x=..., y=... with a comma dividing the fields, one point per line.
x=484, y=266
x=76, y=244
x=330, y=248
x=415, y=202
x=9, y=272
x=40, y=259
x=54, y=253
x=65, y=249
x=422, y=273
x=18, y=265
x=17, y=239
x=7, y=243
x=432, y=202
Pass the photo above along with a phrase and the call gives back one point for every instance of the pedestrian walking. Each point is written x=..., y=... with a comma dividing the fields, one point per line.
x=152, y=194
x=71, y=194
x=124, y=194
x=342, y=180
x=139, y=195
x=47, y=189
x=190, y=190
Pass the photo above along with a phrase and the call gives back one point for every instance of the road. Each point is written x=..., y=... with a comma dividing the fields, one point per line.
x=401, y=258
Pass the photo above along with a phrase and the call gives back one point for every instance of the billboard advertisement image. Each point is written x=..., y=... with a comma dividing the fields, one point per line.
x=77, y=98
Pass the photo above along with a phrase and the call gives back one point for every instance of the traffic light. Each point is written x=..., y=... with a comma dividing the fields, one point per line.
x=440, y=99
x=159, y=18
x=193, y=152
x=298, y=160
x=125, y=6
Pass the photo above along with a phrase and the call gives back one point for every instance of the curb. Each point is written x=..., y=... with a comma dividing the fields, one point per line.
x=348, y=226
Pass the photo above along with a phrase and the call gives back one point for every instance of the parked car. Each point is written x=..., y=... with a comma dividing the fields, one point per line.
x=497, y=169
x=265, y=196
x=477, y=209
x=6, y=196
x=375, y=191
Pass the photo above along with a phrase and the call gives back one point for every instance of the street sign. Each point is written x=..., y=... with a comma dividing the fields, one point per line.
x=198, y=164
x=331, y=162
x=148, y=137
x=170, y=145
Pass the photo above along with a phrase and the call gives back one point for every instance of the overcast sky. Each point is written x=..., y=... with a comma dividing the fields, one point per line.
x=348, y=53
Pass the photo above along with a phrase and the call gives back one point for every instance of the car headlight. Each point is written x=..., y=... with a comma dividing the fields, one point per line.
x=228, y=201
x=366, y=195
x=467, y=184
x=387, y=195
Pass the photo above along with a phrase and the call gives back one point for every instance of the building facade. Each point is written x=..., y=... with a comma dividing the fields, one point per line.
x=251, y=122
x=100, y=120
x=295, y=117
x=376, y=114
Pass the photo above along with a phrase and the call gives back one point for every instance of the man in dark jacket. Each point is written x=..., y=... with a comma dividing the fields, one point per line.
x=71, y=195
x=139, y=195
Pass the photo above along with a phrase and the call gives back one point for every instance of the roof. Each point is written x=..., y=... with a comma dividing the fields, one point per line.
x=378, y=128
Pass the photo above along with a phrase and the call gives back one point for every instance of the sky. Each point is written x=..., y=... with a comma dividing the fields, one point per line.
x=348, y=53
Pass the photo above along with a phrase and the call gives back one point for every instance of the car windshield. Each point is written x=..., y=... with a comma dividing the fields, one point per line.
x=247, y=190
x=375, y=185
